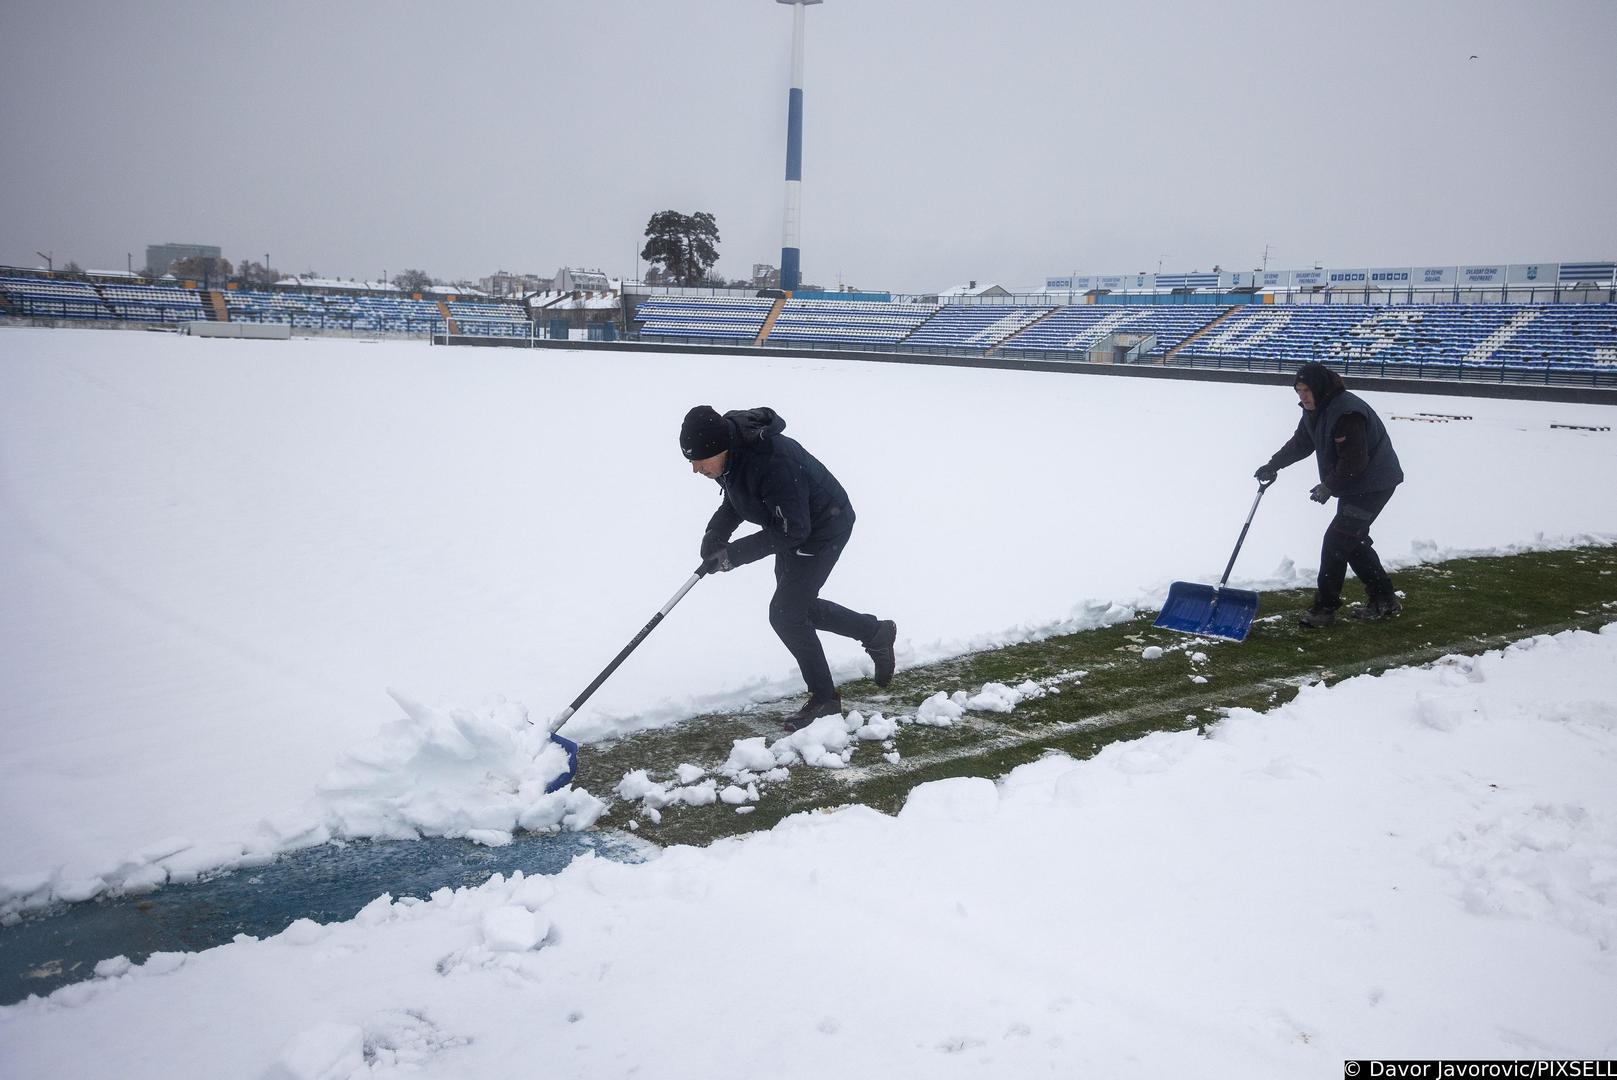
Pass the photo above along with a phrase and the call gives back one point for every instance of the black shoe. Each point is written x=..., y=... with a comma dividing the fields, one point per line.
x=1317, y=618
x=1379, y=607
x=812, y=710
x=880, y=650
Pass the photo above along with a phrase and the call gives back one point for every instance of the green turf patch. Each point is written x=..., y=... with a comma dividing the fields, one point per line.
x=1101, y=689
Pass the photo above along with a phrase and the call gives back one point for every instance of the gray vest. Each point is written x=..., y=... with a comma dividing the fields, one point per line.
x=1382, y=473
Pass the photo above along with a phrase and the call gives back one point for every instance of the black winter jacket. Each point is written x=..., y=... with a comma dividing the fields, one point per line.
x=1349, y=443
x=770, y=480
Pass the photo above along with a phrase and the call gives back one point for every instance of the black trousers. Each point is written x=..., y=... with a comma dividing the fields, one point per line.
x=1347, y=543
x=797, y=613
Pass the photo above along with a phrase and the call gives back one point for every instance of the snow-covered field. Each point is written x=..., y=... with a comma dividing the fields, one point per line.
x=1418, y=865
x=218, y=555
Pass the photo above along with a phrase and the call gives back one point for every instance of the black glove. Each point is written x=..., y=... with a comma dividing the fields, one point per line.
x=711, y=542
x=1266, y=473
x=716, y=563
x=1320, y=494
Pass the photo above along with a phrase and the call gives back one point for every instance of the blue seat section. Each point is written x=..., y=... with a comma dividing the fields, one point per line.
x=1080, y=328
x=490, y=318
x=957, y=326
x=1581, y=336
x=314, y=311
x=848, y=322
x=399, y=314
x=153, y=303
x=716, y=318
x=53, y=298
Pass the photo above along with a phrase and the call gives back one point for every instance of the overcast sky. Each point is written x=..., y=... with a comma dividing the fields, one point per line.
x=943, y=141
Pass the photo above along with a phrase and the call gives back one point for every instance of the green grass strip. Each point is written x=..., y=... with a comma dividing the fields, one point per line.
x=1106, y=691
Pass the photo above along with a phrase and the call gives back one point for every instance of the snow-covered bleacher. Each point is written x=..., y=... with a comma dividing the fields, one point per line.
x=153, y=303
x=1516, y=336
x=719, y=318
x=848, y=322
x=336, y=311
x=53, y=298
x=958, y=326
x=490, y=318
x=1076, y=330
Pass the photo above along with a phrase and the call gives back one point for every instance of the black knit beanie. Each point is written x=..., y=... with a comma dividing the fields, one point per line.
x=704, y=433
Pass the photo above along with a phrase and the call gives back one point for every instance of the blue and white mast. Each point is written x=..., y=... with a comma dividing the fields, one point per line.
x=791, y=253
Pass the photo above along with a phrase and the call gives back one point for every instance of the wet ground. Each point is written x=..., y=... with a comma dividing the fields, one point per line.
x=328, y=883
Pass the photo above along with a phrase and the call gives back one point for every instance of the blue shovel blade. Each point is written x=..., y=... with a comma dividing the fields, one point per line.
x=1208, y=611
x=572, y=763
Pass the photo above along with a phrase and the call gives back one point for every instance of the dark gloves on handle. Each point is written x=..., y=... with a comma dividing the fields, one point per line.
x=1266, y=473
x=711, y=542
x=1320, y=494
x=716, y=563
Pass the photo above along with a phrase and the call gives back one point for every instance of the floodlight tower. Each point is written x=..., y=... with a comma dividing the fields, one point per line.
x=791, y=254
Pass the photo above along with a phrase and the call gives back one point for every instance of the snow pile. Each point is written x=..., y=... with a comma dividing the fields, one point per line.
x=1329, y=879
x=455, y=772
x=449, y=771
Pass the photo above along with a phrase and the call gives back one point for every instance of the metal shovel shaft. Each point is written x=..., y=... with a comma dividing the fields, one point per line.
x=1250, y=514
x=566, y=714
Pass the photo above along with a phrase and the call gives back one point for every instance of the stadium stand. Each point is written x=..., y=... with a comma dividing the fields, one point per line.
x=54, y=298
x=153, y=303
x=1075, y=330
x=973, y=326
x=1515, y=336
x=716, y=318
x=842, y=322
x=486, y=318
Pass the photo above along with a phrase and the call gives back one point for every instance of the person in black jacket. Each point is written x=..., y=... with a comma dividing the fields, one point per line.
x=771, y=481
x=1357, y=465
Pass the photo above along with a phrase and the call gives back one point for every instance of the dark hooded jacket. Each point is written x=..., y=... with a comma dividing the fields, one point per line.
x=770, y=480
x=1346, y=437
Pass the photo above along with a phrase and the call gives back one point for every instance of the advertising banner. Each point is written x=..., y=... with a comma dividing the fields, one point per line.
x=1533, y=274
x=1482, y=275
x=1432, y=277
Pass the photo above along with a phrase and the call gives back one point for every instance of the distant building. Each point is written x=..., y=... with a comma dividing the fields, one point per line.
x=943, y=296
x=501, y=283
x=159, y=257
x=765, y=276
x=573, y=279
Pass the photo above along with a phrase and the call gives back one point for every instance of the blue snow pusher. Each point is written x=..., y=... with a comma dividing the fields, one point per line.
x=1213, y=610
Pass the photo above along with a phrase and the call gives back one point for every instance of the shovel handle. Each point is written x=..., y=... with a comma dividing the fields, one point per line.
x=1263, y=485
x=567, y=713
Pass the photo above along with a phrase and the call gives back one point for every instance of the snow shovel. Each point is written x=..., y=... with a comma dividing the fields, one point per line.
x=555, y=725
x=1213, y=610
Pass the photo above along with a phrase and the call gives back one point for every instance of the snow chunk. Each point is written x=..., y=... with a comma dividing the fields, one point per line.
x=939, y=710
x=962, y=798
x=690, y=774
x=513, y=928
x=734, y=796
x=823, y=744
x=877, y=728
x=748, y=755
x=113, y=966
x=302, y=932
x=1151, y=652
x=702, y=794
x=77, y=890
x=323, y=1052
